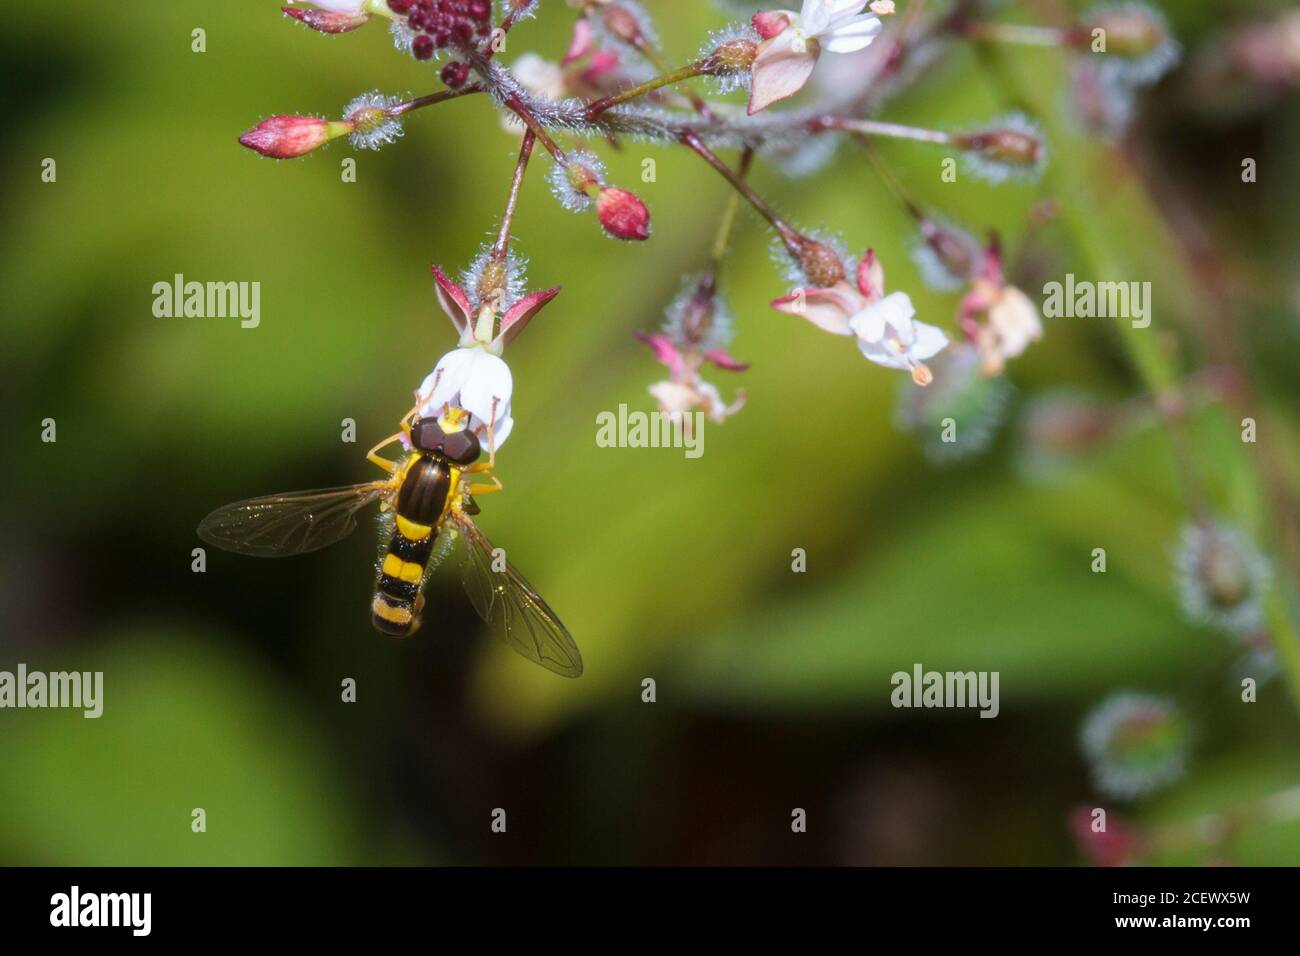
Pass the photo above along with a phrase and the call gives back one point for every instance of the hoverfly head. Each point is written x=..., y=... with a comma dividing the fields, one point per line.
x=447, y=437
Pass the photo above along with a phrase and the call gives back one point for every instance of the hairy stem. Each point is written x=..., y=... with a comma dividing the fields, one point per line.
x=633, y=92
x=502, y=245
x=789, y=235
x=433, y=98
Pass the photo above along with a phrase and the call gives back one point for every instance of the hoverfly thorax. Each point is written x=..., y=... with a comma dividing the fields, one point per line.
x=443, y=439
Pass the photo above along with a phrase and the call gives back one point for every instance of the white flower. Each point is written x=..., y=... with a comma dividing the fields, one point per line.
x=339, y=6
x=839, y=25
x=792, y=42
x=474, y=379
x=888, y=335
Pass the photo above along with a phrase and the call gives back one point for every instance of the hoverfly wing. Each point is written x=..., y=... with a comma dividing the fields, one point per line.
x=293, y=523
x=512, y=608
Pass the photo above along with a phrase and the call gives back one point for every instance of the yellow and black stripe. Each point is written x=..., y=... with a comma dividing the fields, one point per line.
x=421, y=501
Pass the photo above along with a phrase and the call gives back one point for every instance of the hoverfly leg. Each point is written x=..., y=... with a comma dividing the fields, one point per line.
x=486, y=489
x=374, y=457
x=486, y=466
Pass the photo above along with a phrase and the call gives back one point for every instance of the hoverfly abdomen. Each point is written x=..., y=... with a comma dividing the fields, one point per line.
x=426, y=487
x=424, y=491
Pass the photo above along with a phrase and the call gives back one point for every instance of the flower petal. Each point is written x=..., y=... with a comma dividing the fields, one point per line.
x=871, y=276
x=780, y=71
x=930, y=341
x=583, y=34
x=770, y=24
x=893, y=311
x=724, y=361
x=665, y=351
x=853, y=36
x=521, y=313
x=453, y=300
x=487, y=390
x=828, y=309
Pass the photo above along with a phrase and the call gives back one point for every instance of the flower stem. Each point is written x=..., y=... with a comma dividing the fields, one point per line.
x=520, y=109
x=632, y=92
x=723, y=237
x=1015, y=33
x=502, y=245
x=440, y=97
x=789, y=235
x=867, y=127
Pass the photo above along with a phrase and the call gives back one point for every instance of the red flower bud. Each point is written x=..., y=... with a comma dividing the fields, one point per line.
x=323, y=21
x=286, y=137
x=622, y=214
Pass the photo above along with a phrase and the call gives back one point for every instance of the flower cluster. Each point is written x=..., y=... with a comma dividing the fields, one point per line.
x=695, y=334
x=885, y=326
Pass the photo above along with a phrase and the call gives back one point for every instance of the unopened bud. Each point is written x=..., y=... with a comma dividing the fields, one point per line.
x=624, y=24
x=1013, y=148
x=821, y=264
x=328, y=21
x=585, y=179
x=951, y=256
x=733, y=56
x=623, y=215
x=1130, y=30
x=1003, y=145
x=287, y=137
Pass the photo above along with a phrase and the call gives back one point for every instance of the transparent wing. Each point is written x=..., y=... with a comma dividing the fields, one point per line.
x=514, y=610
x=293, y=523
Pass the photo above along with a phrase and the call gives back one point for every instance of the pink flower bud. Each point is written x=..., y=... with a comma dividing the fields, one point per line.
x=771, y=24
x=327, y=21
x=287, y=137
x=622, y=214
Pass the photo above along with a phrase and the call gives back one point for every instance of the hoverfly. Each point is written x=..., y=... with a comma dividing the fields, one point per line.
x=430, y=503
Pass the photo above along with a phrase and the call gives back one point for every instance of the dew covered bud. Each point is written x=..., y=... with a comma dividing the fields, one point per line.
x=622, y=214
x=1012, y=148
x=1221, y=577
x=346, y=17
x=627, y=22
x=959, y=392
x=1132, y=30
x=373, y=124
x=287, y=137
x=1135, y=743
x=735, y=55
x=1006, y=145
x=822, y=265
x=947, y=257
x=576, y=182
x=1131, y=42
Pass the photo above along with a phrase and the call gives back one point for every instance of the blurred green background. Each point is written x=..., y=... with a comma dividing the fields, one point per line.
x=222, y=689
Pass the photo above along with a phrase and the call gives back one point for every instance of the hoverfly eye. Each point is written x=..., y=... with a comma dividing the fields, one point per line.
x=427, y=435
x=462, y=448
